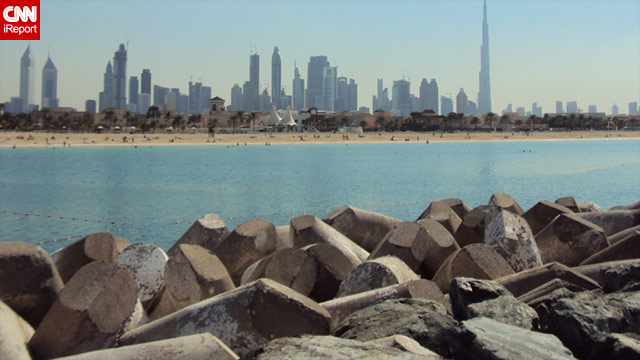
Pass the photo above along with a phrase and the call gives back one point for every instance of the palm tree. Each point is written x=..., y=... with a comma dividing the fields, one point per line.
x=381, y=121
x=177, y=122
x=475, y=122
x=532, y=120
x=490, y=117
x=167, y=116
x=238, y=116
x=344, y=121
x=451, y=117
x=363, y=125
x=505, y=121
x=213, y=122
x=252, y=117
x=109, y=117
x=153, y=112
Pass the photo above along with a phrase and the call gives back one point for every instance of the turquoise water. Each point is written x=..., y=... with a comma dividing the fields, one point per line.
x=153, y=194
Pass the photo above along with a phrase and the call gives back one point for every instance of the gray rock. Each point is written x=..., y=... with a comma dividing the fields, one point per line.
x=29, y=281
x=193, y=347
x=12, y=335
x=146, y=262
x=458, y=206
x=425, y=321
x=509, y=234
x=363, y=227
x=208, y=231
x=496, y=340
x=613, y=221
x=472, y=298
x=594, y=271
x=616, y=277
x=627, y=248
x=542, y=213
x=374, y=274
x=624, y=346
x=532, y=297
x=525, y=281
x=506, y=202
x=442, y=213
x=407, y=241
x=588, y=206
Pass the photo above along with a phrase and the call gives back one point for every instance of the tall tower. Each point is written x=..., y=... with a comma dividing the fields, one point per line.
x=27, y=79
x=49, y=85
x=106, y=96
x=254, y=69
x=120, y=78
x=276, y=77
x=484, y=93
x=298, y=90
x=145, y=78
x=315, y=76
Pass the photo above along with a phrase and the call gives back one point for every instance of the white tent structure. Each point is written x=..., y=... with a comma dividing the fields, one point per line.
x=287, y=120
x=274, y=118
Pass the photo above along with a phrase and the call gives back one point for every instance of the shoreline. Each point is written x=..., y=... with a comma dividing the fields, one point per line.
x=50, y=139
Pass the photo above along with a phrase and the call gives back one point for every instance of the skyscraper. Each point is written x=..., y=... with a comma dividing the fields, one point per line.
x=120, y=78
x=401, y=99
x=559, y=107
x=195, y=97
x=159, y=96
x=27, y=79
x=106, y=96
x=315, y=76
x=254, y=69
x=205, y=96
x=133, y=92
x=446, y=104
x=236, y=98
x=484, y=92
x=145, y=78
x=593, y=109
x=462, y=102
x=298, y=90
x=614, y=110
x=633, y=108
x=49, y=85
x=276, y=77
x=329, y=87
x=572, y=107
x=352, y=95
x=341, y=99
x=251, y=90
x=429, y=95
x=90, y=106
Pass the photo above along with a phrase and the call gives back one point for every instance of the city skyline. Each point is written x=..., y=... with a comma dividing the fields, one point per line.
x=576, y=63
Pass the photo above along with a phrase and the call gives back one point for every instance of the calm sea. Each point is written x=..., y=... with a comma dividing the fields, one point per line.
x=153, y=194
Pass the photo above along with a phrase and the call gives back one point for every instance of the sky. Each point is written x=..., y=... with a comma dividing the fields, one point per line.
x=540, y=51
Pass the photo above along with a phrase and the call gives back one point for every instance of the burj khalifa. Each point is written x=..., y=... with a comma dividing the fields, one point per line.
x=484, y=92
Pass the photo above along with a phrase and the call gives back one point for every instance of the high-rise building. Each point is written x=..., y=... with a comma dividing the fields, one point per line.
x=106, y=96
x=195, y=98
x=428, y=95
x=145, y=79
x=592, y=108
x=374, y=102
x=144, y=102
x=171, y=99
x=90, y=106
x=205, y=96
x=183, y=104
x=329, y=88
x=572, y=107
x=484, y=92
x=383, y=97
x=559, y=107
x=49, y=85
x=446, y=103
x=133, y=91
x=159, y=96
x=401, y=100
x=379, y=102
x=633, y=108
x=536, y=110
x=341, y=98
x=315, y=80
x=508, y=109
x=276, y=77
x=473, y=109
x=120, y=78
x=298, y=90
x=462, y=102
x=521, y=111
x=352, y=95
x=254, y=69
x=250, y=97
x=27, y=79
x=236, y=98
x=614, y=110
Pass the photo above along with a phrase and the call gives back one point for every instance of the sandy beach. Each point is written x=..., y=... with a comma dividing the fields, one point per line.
x=60, y=139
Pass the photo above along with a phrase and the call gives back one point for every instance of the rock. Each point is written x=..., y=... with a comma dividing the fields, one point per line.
x=506, y=202
x=308, y=229
x=342, y=307
x=425, y=321
x=627, y=248
x=249, y=242
x=471, y=298
x=375, y=274
x=208, y=231
x=533, y=297
x=89, y=313
x=510, y=235
x=29, y=281
x=588, y=206
x=496, y=340
x=612, y=222
x=284, y=242
x=525, y=281
x=442, y=213
x=458, y=206
x=12, y=335
x=471, y=230
x=406, y=241
x=594, y=271
x=315, y=271
x=363, y=227
x=584, y=321
x=193, y=274
x=623, y=346
x=406, y=343
x=137, y=318
x=193, y=347
x=332, y=348
x=569, y=239
x=622, y=234
x=243, y=319
x=478, y=261
x=440, y=244
x=164, y=305
x=94, y=247
x=542, y=213
x=569, y=202
x=616, y=277
x=146, y=262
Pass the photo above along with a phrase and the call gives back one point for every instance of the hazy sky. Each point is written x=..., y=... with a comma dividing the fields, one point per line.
x=541, y=51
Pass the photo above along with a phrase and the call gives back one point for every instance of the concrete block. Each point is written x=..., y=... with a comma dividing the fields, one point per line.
x=471, y=230
x=627, y=248
x=442, y=213
x=440, y=244
x=612, y=222
x=376, y=273
x=542, y=213
x=506, y=202
x=458, y=206
x=509, y=234
x=146, y=262
x=406, y=241
x=569, y=202
x=207, y=232
x=12, y=335
x=284, y=242
x=365, y=228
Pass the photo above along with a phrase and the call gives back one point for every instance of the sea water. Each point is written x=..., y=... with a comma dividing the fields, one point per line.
x=153, y=194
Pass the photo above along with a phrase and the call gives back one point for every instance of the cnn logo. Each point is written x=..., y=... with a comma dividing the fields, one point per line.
x=20, y=20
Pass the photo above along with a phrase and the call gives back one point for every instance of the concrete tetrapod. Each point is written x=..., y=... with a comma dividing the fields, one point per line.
x=193, y=347
x=89, y=313
x=506, y=202
x=471, y=230
x=95, y=247
x=376, y=273
x=442, y=213
x=365, y=228
x=612, y=222
x=542, y=213
x=308, y=229
x=146, y=262
x=243, y=319
x=12, y=335
x=440, y=244
x=458, y=206
x=249, y=242
x=407, y=241
x=207, y=232
x=569, y=239
x=627, y=248
x=569, y=202
x=29, y=281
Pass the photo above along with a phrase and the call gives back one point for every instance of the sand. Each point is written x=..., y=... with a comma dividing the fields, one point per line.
x=49, y=139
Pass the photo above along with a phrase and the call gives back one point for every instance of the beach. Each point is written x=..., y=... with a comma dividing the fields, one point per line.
x=61, y=139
